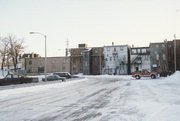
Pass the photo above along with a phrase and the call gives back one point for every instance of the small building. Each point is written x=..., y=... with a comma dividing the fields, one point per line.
x=171, y=52
x=76, y=59
x=116, y=59
x=97, y=60
x=86, y=60
x=159, y=57
x=140, y=59
x=54, y=64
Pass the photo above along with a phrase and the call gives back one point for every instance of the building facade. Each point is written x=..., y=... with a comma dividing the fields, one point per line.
x=97, y=60
x=76, y=59
x=140, y=59
x=86, y=60
x=159, y=58
x=116, y=59
x=86, y=56
x=54, y=64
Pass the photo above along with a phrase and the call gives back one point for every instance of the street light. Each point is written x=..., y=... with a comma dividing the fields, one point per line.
x=45, y=61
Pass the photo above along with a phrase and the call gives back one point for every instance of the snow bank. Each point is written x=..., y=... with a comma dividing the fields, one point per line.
x=37, y=88
x=125, y=77
x=175, y=78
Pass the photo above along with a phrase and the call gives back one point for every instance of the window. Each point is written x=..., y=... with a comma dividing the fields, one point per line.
x=114, y=49
x=157, y=56
x=157, y=46
x=139, y=50
x=110, y=58
x=143, y=50
x=121, y=48
x=164, y=57
x=30, y=62
x=163, y=45
x=133, y=51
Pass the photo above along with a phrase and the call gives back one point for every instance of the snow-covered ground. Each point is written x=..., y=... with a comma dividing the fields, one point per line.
x=93, y=98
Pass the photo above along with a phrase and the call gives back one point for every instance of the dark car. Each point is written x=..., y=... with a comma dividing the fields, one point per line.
x=54, y=77
x=65, y=74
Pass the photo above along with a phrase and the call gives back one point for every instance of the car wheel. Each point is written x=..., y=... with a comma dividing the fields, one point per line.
x=137, y=77
x=153, y=76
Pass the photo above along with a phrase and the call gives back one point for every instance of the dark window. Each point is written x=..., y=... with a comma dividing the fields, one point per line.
x=30, y=62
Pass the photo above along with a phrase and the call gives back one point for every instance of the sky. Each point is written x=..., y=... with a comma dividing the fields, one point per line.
x=94, y=22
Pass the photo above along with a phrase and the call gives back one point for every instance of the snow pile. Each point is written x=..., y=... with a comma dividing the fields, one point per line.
x=124, y=77
x=175, y=78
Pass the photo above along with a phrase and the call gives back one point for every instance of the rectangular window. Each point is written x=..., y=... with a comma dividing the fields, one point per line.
x=110, y=58
x=133, y=51
x=157, y=57
x=143, y=50
x=163, y=45
x=30, y=62
x=139, y=50
x=164, y=57
x=121, y=48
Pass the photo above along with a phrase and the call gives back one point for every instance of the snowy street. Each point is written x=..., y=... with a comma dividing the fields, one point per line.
x=94, y=98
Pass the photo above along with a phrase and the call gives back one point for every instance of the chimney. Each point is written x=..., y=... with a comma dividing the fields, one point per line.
x=112, y=43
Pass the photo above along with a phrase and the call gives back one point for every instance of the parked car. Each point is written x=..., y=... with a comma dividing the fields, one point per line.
x=16, y=79
x=65, y=74
x=54, y=77
x=144, y=73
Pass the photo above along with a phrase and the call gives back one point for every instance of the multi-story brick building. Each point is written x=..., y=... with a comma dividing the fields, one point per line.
x=171, y=52
x=86, y=60
x=97, y=60
x=76, y=59
x=159, y=57
x=140, y=59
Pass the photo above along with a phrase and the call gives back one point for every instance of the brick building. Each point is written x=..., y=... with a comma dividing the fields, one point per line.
x=54, y=64
x=140, y=59
x=86, y=60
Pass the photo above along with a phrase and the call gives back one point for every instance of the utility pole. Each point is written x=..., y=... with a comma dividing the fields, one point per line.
x=100, y=62
x=67, y=48
x=174, y=52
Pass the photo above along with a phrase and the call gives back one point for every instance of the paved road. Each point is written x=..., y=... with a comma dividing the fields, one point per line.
x=89, y=99
x=92, y=99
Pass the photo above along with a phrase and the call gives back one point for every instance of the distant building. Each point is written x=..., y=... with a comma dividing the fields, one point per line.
x=140, y=59
x=97, y=60
x=159, y=58
x=31, y=55
x=177, y=43
x=171, y=53
x=54, y=64
x=76, y=60
x=86, y=57
x=116, y=59
x=86, y=60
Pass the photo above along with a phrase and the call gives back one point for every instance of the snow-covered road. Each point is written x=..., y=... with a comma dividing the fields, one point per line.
x=94, y=98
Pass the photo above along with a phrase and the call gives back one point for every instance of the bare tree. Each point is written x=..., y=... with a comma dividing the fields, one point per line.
x=3, y=51
x=15, y=49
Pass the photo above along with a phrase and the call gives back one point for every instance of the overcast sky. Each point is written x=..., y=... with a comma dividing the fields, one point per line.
x=95, y=22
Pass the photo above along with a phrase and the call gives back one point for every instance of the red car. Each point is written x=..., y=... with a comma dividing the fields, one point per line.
x=144, y=73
